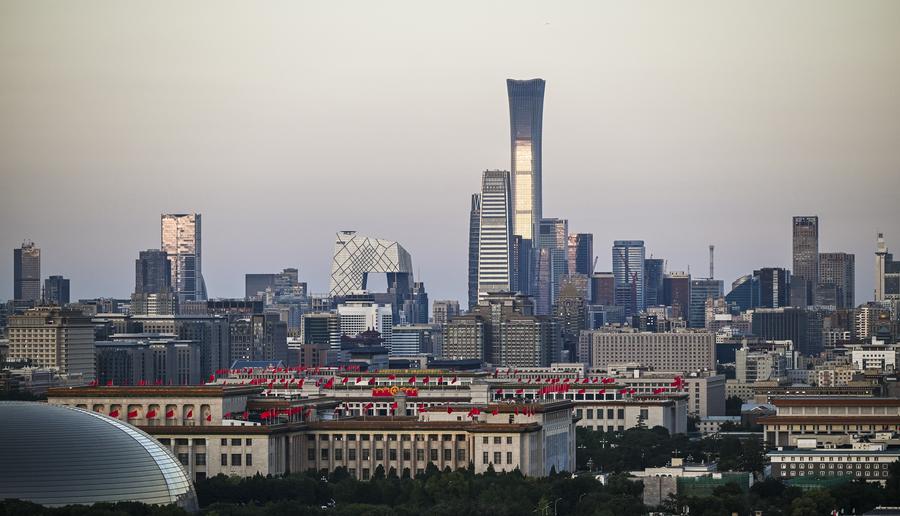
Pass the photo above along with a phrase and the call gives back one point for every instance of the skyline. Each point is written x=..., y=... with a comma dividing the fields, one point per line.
x=119, y=139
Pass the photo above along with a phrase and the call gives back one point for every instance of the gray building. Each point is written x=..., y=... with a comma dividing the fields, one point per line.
x=581, y=254
x=654, y=272
x=464, y=338
x=805, y=260
x=444, y=310
x=554, y=236
x=701, y=290
x=679, y=351
x=53, y=337
x=474, y=232
x=27, y=273
x=148, y=359
x=628, y=270
x=887, y=273
x=789, y=323
x=153, y=293
x=837, y=271
x=259, y=337
x=56, y=290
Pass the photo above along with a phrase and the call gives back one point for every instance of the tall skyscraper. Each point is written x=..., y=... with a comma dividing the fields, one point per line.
x=526, y=112
x=806, y=260
x=182, y=243
x=554, y=236
x=27, y=273
x=603, y=289
x=773, y=287
x=677, y=293
x=654, y=270
x=581, y=254
x=494, y=234
x=474, y=233
x=887, y=273
x=837, y=271
x=628, y=270
x=56, y=290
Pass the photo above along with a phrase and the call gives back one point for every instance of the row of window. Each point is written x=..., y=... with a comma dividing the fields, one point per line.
x=839, y=472
x=366, y=454
x=839, y=466
x=497, y=456
x=381, y=437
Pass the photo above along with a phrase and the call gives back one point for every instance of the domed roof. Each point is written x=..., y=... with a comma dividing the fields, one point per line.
x=56, y=455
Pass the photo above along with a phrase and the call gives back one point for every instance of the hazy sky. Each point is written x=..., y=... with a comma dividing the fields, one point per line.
x=680, y=123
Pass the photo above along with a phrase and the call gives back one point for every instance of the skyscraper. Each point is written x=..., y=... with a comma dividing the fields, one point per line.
x=603, y=288
x=494, y=234
x=838, y=271
x=56, y=290
x=677, y=293
x=54, y=337
x=887, y=273
x=701, y=290
x=182, y=244
x=474, y=232
x=773, y=287
x=153, y=294
x=581, y=254
x=806, y=260
x=526, y=112
x=27, y=273
x=628, y=270
x=654, y=270
x=554, y=236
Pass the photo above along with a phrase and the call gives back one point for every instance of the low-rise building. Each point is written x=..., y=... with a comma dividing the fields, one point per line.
x=858, y=461
x=713, y=424
x=829, y=420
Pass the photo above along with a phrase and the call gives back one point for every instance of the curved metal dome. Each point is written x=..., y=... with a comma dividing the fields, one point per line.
x=55, y=455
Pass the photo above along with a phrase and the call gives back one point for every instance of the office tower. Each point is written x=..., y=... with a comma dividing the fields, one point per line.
x=603, y=289
x=773, y=286
x=789, y=323
x=654, y=271
x=543, y=280
x=743, y=293
x=411, y=339
x=682, y=352
x=526, y=111
x=677, y=293
x=581, y=254
x=527, y=341
x=181, y=241
x=279, y=284
x=360, y=313
x=838, y=271
x=444, y=310
x=806, y=260
x=259, y=337
x=701, y=291
x=158, y=359
x=887, y=273
x=27, y=273
x=495, y=234
x=56, y=290
x=53, y=337
x=570, y=311
x=415, y=309
x=153, y=294
x=321, y=328
x=628, y=270
x=554, y=236
x=464, y=338
x=865, y=318
x=474, y=233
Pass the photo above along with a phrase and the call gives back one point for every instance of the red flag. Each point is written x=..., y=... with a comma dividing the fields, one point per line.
x=580, y=391
x=132, y=414
x=495, y=412
x=632, y=391
x=170, y=413
x=499, y=392
x=209, y=417
x=453, y=380
x=391, y=377
x=623, y=390
x=372, y=381
x=114, y=413
x=344, y=380
x=358, y=379
x=421, y=408
x=440, y=380
x=601, y=391
x=246, y=415
x=227, y=415
x=190, y=414
x=449, y=410
x=412, y=379
x=330, y=383
x=517, y=411
x=593, y=380
x=212, y=378
x=300, y=383
x=425, y=380
x=367, y=406
x=109, y=383
x=474, y=412
x=393, y=407
x=151, y=414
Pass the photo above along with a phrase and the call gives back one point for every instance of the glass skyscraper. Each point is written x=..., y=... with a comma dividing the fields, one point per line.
x=27, y=273
x=495, y=234
x=181, y=242
x=628, y=271
x=474, y=225
x=806, y=260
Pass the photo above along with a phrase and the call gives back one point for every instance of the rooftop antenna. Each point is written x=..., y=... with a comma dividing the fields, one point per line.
x=712, y=249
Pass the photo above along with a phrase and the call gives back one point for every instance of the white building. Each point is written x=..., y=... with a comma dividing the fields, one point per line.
x=357, y=316
x=54, y=338
x=877, y=356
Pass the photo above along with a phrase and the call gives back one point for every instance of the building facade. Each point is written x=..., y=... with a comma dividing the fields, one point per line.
x=495, y=233
x=53, y=337
x=628, y=270
x=679, y=351
x=27, y=273
x=805, y=260
x=56, y=290
x=181, y=241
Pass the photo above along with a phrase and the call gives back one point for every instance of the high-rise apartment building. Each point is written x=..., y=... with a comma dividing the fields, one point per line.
x=806, y=260
x=181, y=241
x=654, y=271
x=474, y=233
x=581, y=254
x=495, y=233
x=56, y=290
x=838, y=271
x=628, y=270
x=27, y=273
x=53, y=337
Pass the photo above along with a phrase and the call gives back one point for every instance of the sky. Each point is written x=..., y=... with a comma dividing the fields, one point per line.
x=680, y=123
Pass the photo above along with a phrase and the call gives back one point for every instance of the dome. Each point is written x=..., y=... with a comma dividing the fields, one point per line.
x=55, y=455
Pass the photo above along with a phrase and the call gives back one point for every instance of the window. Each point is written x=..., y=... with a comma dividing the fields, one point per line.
x=496, y=440
x=235, y=459
x=485, y=440
x=309, y=437
x=364, y=437
x=621, y=414
x=460, y=455
x=181, y=442
x=460, y=437
x=199, y=442
x=351, y=454
x=392, y=454
x=420, y=454
x=407, y=455
x=609, y=413
x=365, y=473
x=224, y=459
x=235, y=442
x=484, y=458
x=323, y=453
x=446, y=437
x=432, y=455
x=165, y=441
x=200, y=459
x=365, y=454
x=448, y=455
x=184, y=459
x=248, y=442
x=590, y=413
x=644, y=413
x=248, y=459
x=404, y=437
x=509, y=439
x=351, y=437
x=225, y=442
x=432, y=437
x=379, y=437
x=323, y=437
x=338, y=454
x=496, y=457
x=509, y=457
x=379, y=454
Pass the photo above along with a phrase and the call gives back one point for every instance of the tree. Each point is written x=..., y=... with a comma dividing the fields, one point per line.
x=733, y=406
